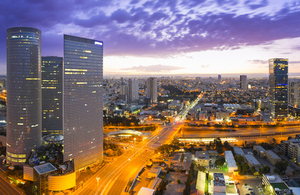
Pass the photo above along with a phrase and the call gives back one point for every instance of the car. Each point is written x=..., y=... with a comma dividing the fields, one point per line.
x=250, y=189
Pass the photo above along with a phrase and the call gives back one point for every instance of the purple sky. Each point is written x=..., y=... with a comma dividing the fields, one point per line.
x=166, y=36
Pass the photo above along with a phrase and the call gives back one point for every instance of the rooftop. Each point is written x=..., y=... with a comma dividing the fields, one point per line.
x=155, y=170
x=230, y=159
x=261, y=149
x=146, y=191
x=252, y=160
x=238, y=151
x=219, y=179
x=272, y=154
x=45, y=168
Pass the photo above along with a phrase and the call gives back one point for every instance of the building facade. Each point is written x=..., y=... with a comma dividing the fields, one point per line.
x=133, y=90
x=83, y=101
x=294, y=92
x=52, y=94
x=278, y=91
x=24, y=96
x=243, y=82
x=152, y=89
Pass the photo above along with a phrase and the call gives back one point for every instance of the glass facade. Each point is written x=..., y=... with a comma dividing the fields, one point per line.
x=24, y=105
x=52, y=84
x=83, y=97
x=278, y=91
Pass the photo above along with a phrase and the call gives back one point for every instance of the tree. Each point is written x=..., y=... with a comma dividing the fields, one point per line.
x=255, y=153
x=266, y=169
x=179, y=181
x=220, y=162
x=281, y=167
x=220, y=150
x=227, y=145
x=182, y=157
x=253, y=170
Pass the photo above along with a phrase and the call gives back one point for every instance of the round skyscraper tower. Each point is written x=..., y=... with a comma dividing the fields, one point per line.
x=24, y=106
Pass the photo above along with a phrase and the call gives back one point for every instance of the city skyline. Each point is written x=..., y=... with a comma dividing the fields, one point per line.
x=168, y=37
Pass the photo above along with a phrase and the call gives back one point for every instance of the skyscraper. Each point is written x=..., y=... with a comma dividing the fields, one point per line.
x=219, y=79
x=24, y=105
x=152, y=89
x=133, y=90
x=278, y=92
x=294, y=92
x=52, y=92
x=83, y=103
x=243, y=82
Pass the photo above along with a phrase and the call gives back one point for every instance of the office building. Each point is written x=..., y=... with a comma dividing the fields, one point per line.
x=278, y=92
x=243, y=82
x=133, y=90
x=24, y=95
x=294, y=92
x=152, y=89
x=219, y=79
x=124, y=92
x=52, y=92
x=83, y=101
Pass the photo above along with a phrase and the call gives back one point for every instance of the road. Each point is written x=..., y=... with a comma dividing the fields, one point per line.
x=188, y=131
x=114, y=177
x=6, y=188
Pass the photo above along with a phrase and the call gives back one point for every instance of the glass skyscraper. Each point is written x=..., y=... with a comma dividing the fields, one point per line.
x=24, y=105
x=83, y=100
x=278, y=91
x=52, y=94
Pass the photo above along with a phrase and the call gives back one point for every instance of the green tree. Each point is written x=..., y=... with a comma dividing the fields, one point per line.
x=281, y=167
x=220, y=150
x=253, y=170
x=179, y=181
x=255, y=153
x=220, y=162
x=182, y=157
x=266, y=169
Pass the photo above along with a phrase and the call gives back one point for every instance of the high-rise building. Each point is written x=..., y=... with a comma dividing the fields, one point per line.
x=83, y=100
x=24, y=95
x=133, y=90
x=124, y=92
x=294, y=92
x=219, y=79
x=278, y=92
x=152, y=89
x=243, y=82
x=52, y=94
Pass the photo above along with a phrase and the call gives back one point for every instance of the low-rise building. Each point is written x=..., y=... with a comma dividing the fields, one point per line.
x=232, y=167
x=202, y=158
x=272, y=157
x=146, y=191
x=294, y=152
x=154, y=183
x=154, y=171
x=200, y=185
x=238, y=151
x=252, y=161
x=219, y=184
x=260, y=150
x=274, y=185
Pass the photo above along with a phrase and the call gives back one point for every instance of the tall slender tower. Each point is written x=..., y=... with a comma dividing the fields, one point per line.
x=83, y=101
x=243, y=82
x=152, y=89
x=24, y=105
x=133, y=90
x=52, y=78
x=278, y=92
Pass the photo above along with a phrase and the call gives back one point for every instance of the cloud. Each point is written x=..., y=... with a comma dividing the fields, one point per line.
x=154, y=68
x=258, y=61
x=154, y=28
x=205, y=66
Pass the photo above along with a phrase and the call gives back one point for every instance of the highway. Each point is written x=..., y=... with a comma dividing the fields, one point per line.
x=114, y=176
x=6, y=188
x=188, y=131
